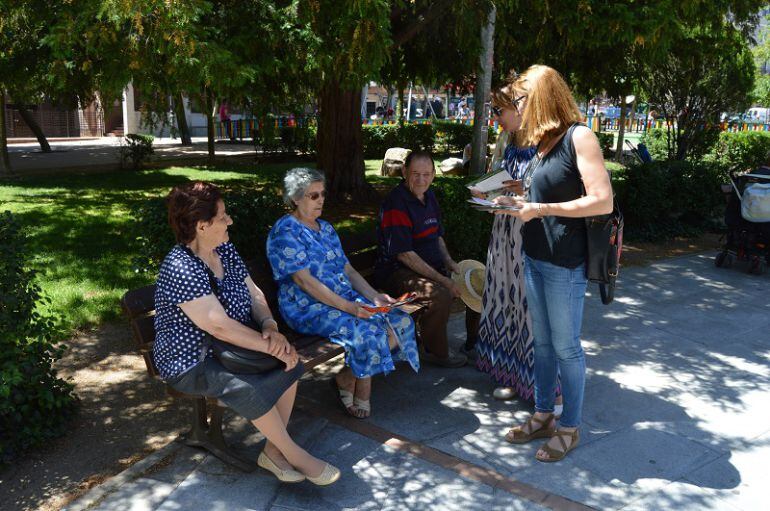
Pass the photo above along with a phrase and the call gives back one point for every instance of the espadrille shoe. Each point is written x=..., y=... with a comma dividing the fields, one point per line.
x=287, y=476
x=329, y=475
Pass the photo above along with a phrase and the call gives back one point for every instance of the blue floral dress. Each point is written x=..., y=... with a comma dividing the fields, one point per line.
x=291, y=247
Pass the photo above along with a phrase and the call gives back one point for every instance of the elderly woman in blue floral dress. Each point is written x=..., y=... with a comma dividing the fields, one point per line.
x=321, y=293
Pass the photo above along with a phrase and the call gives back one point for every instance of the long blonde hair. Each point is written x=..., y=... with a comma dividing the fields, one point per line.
x=550, y=107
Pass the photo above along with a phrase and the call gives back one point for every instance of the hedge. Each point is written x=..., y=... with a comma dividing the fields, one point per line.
x=379, y=138
x=466, y=230
x=253, y=213
x=664, y=199
x=34, y=403
x=744, y=150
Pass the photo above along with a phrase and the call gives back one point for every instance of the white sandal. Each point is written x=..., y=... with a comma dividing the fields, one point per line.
x=345, y=397
x=363, y=405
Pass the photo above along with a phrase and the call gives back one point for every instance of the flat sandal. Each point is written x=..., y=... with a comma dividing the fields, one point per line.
x=516, y=435
x=558, y=455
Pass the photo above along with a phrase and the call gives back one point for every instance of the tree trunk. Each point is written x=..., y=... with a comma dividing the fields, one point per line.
x=340, y=148
x=181, y=120
x=5, y=160
x=400, y=105
x=35, y=127
x=210, y=133
x=621, y=131
x=481, y=95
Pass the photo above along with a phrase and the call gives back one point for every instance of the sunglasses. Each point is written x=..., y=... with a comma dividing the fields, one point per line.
x=315, y=195
x=497, y=111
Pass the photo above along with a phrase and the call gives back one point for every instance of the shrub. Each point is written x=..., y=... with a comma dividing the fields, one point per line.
x=34, y=403
x=656, y=142
x=605, y=142
x=452, y=137
x=466, y=231
x=379, y=138
x=135, y=148
x=744, y=150
x=253, y=212
x=663, y=199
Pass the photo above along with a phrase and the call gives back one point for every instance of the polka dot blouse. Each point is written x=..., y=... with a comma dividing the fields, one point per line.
x=182, y=278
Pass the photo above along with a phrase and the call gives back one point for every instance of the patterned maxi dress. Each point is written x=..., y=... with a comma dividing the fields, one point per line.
x=291, y=247
x=505, y=347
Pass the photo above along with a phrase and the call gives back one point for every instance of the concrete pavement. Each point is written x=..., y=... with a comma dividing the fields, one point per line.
x=677, y=416
x=102, y=154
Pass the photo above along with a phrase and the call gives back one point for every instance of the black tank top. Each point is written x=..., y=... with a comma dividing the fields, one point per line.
x=558, y=240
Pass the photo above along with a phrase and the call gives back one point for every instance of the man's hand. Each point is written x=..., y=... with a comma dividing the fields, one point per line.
x=276, y=342
x=453, y=266
x=451, y=286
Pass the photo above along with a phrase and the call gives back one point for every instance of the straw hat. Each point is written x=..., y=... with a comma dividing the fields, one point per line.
x=470, y=281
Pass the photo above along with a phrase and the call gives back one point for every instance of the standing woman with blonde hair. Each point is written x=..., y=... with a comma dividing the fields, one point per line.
x=565, y=182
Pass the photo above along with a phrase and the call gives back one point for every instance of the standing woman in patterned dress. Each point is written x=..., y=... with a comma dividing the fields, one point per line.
x=505, y=344
x=320, y=293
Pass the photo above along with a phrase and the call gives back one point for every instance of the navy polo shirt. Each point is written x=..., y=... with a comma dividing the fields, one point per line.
x=407, y=224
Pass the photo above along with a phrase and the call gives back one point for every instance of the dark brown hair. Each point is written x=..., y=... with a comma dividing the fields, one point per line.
x=189, y=204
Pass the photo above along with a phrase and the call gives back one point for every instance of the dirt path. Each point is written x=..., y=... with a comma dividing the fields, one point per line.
x=124, y=415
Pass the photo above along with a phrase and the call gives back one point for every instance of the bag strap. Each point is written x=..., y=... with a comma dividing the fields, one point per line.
x=208, y=339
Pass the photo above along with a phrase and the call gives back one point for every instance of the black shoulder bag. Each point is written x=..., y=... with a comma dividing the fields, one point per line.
x=234, y=358
x=604, y=234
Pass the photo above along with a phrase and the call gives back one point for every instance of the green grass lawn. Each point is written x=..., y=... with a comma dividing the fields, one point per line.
x=79, y=229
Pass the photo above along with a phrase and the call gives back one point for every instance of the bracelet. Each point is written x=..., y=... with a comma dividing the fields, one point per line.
x=540, y=209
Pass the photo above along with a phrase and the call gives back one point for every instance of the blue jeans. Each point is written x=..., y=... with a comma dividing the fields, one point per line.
x=555, y=297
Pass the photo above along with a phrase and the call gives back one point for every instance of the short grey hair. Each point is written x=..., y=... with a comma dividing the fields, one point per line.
x=297, y=181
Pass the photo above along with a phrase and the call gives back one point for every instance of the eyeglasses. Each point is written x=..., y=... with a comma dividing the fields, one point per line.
x=316, y=195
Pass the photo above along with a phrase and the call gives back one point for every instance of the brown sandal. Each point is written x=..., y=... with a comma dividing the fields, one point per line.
x=516, y=435
x=557, y=455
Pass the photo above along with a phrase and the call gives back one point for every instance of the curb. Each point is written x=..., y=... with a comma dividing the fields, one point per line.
x=97, y=494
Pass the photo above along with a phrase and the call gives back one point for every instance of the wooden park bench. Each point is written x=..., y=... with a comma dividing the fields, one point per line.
x=206, y=421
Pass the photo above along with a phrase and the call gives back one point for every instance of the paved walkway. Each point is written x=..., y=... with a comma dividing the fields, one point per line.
x=677, y=416
x=102, y=153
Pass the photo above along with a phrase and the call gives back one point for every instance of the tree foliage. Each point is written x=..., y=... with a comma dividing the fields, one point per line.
x=708, y=71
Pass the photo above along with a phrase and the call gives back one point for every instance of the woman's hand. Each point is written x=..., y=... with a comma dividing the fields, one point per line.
x=355, y=309
x=475, y=192
x=382, y=300
x=276, y=342
x=527, y=211
x=290, y=359
x=515, y=186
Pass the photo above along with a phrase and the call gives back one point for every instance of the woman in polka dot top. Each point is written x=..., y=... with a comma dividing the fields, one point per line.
x=204, y=288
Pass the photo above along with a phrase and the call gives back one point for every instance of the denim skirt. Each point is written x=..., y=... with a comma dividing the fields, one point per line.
x=249, y=395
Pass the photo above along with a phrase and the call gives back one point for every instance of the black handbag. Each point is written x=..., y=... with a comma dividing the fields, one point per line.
x=234, y=358
x=604, y=236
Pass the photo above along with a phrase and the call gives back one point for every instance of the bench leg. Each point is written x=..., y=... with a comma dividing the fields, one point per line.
x=208, y=435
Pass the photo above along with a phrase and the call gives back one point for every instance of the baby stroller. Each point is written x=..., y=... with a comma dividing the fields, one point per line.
x=748, y=221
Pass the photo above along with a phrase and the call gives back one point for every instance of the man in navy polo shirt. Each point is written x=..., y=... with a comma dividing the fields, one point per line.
x=413, y=257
